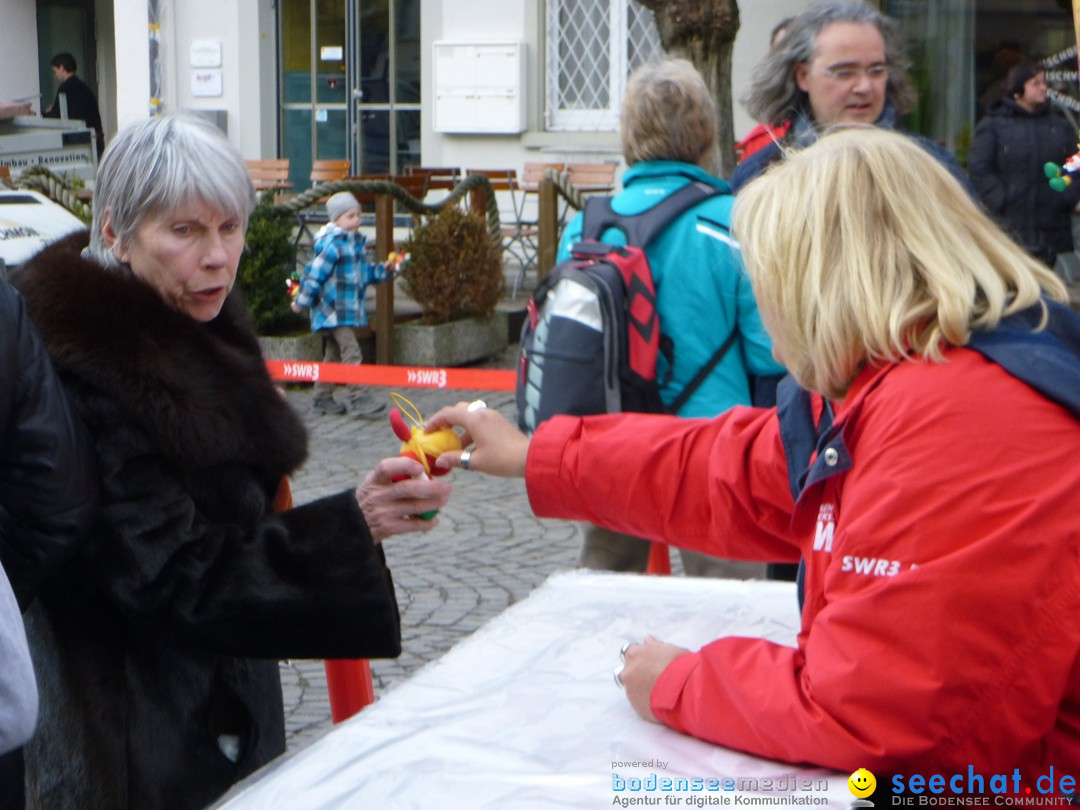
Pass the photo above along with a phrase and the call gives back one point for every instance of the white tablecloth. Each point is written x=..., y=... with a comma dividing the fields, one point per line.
x=525, y=713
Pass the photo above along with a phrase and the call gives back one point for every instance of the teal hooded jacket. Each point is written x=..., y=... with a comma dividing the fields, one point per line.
x=703, y=292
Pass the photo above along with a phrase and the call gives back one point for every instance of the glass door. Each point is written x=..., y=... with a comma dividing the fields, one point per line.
x=314, y=84
x=938, y=36
x=350, y=84
x=386, y=114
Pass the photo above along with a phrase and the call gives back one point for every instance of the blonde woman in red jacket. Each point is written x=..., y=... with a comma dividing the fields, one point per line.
x=926, y=473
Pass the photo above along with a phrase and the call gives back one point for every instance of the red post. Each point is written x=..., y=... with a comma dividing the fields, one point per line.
x=348, y=681
x=659, y=560
x=349, y=684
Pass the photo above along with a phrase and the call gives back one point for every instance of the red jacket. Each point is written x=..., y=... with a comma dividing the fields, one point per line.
x=942, y=620
x=760, y=137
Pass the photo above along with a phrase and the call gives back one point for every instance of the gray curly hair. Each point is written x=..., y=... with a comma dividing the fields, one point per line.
x=775, y=96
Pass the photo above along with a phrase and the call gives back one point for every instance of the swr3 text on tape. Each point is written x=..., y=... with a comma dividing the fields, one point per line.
x=478, y=379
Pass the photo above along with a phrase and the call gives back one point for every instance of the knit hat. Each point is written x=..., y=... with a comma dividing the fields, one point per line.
x=340, y=204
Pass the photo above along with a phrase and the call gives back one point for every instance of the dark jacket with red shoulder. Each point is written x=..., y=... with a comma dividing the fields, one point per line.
x=47, y=483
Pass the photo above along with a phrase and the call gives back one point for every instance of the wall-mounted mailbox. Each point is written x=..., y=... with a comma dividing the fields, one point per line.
x=479, y=86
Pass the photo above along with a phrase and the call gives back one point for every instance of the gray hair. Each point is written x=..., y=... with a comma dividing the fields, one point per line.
x=668, y=113
x=161, y=164
x=775, y=96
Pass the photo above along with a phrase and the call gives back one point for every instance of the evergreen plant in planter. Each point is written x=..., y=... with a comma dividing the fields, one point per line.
x=265, y=266
x=455, y=275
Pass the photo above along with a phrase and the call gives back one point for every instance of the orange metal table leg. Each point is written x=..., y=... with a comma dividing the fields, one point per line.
x=349, y=684
x=659, y=560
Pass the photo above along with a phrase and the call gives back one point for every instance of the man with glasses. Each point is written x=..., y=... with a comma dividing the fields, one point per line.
x=840, y=62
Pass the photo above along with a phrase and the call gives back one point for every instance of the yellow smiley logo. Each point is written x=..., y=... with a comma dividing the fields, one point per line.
x=861, y=783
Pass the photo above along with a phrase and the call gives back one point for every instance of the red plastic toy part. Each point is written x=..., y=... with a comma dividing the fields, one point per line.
x=418, y=444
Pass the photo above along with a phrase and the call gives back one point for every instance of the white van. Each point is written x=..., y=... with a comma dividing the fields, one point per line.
x=28, y=222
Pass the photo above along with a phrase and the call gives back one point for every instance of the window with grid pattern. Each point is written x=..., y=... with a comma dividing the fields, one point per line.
x=592, y=46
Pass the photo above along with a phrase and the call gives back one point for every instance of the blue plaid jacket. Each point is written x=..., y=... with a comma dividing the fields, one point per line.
x=335, y=281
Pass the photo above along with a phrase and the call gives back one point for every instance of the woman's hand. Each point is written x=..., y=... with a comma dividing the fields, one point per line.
x=499, y=448
x=392, y=507
x=643, y=664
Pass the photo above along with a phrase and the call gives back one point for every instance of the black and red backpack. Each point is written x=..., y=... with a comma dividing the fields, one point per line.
x=591, y=338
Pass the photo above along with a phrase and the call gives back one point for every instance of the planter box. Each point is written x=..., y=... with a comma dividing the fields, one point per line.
x=307, y=347
x=449, y=344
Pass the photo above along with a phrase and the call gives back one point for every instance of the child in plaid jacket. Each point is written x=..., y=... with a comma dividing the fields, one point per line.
x=334, y=288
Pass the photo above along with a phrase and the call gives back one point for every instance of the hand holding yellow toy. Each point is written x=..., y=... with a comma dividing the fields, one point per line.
x=418, y=444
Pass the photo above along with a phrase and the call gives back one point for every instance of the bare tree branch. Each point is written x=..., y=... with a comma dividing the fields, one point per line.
x=703, y=31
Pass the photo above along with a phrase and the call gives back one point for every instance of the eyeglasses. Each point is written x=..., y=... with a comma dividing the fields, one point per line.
x=852, y=73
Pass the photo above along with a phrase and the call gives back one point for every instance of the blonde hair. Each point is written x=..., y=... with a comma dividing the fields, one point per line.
x=863, y=248
x=669, y=114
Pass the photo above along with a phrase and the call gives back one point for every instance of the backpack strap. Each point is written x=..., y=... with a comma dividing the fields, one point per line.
x=640, y=229
x=703, y=373
x=1048, y=360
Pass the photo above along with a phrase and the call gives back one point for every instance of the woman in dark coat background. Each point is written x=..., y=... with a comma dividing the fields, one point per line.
x=157, y=648
x=1020, y=133
x=48, y=494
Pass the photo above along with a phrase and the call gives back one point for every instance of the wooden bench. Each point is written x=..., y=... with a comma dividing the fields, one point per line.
x=592, y=177
x=439, y=178
x=269, y=174
x=323, y=171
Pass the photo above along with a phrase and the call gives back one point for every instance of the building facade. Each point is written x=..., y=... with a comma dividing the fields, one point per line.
x=467, y=83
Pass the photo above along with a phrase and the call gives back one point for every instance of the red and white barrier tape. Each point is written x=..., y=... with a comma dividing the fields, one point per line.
x=477, y=379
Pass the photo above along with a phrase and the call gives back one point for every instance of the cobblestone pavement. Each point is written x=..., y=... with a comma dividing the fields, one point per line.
x=488, y=552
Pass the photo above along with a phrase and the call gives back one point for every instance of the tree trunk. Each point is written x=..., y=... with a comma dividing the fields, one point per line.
x=703, y=31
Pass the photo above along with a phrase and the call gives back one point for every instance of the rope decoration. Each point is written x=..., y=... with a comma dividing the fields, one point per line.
x=409, y=202
x=41, y=179
x=44, y=181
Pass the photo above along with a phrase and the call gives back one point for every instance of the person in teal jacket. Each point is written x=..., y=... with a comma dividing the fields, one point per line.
x=703, y=293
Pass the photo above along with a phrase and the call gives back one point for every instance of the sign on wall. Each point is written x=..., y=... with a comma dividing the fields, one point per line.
x=206, y=83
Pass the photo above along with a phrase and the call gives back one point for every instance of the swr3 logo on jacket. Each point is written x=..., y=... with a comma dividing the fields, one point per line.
x=850, y=563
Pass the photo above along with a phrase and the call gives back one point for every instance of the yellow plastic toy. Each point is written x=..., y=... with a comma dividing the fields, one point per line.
x=416, y=443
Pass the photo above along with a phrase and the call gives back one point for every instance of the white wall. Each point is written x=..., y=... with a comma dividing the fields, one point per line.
x=756, y=21
x=18, y=52
x=132, y=89
x=106, y=66
x=246, y=33
x=258, y=61
x=482, y=19
x=479, y=20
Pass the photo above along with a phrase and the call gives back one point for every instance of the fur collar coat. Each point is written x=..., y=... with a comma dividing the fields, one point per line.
x=157, y=648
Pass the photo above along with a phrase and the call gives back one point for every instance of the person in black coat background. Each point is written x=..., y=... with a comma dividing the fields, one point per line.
x=48, y=491
x=82, y=104
x=1021, y=132
x=157, y=649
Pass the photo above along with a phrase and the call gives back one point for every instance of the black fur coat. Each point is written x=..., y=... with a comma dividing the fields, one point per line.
x=159, y=644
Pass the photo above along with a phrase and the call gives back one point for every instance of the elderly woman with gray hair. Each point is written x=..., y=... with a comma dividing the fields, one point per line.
x=157, y=646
